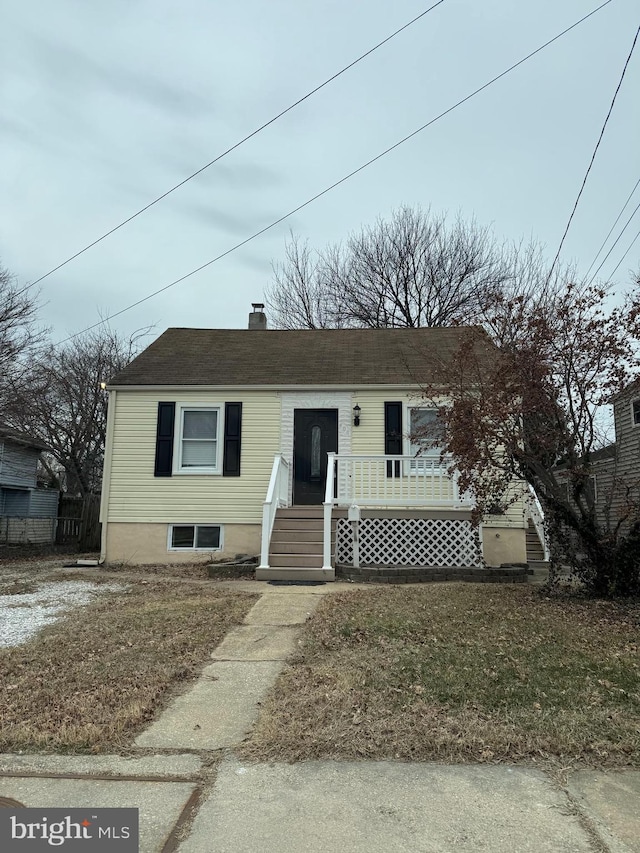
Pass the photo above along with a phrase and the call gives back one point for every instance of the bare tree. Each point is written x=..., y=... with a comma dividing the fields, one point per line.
x=18, y=333
x=413, y=270
x=299, y=297
x=65, y=406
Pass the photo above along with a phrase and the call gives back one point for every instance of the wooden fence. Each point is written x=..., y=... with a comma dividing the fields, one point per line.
x=78, y=522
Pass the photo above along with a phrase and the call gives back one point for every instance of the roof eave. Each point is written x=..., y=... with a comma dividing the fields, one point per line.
x=296, y=387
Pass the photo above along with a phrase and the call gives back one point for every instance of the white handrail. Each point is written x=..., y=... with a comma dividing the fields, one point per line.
x=536, y=514
x=328, y=510
x=277, y=496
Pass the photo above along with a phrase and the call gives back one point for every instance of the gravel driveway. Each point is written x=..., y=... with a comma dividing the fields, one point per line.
x=31, y=597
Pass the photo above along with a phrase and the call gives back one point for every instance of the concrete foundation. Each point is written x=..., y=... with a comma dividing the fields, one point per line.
x=504, y=545
x=143, y=544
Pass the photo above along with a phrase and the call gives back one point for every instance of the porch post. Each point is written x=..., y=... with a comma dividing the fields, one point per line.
x=328, y=511
x=455, y=488
x=266, y=535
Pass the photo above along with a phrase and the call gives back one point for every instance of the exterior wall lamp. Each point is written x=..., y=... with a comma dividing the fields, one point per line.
x=356, y=415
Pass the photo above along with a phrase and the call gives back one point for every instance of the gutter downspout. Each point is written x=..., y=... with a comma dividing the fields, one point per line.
x=106, y=475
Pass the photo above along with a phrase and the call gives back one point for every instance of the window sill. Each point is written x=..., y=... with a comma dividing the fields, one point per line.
x=195, y=550
x=211, y=472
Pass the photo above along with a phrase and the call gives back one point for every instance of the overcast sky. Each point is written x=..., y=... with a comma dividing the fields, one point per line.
x=104, y=104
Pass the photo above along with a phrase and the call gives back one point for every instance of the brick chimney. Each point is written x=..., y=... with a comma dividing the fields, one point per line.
x=257, y=317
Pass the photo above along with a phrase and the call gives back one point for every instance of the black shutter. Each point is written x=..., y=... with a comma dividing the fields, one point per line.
x=232, y=439
x=393, y=435
x=164, y=439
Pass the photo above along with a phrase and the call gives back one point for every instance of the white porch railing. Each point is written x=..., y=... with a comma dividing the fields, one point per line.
x=387, y=481
x=277, y=496
x=533, y=509
x=405, y=481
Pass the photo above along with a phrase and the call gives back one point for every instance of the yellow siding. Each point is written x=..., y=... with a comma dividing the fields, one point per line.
x=369, y=436
x=514, y=515
x=137, y=496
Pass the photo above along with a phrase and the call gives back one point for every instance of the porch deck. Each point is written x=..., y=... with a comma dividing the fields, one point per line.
x=412, y=515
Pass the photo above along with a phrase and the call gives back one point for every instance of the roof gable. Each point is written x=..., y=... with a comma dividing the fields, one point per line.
x=300, y=357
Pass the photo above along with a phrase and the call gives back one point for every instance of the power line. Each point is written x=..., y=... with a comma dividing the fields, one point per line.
x=593, y=156
x=618, y=217
x=343, y=179
x=615, y=269
x=615, y=243
x=237, y=144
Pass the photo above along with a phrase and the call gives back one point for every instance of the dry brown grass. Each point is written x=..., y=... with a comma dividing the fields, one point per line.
x=194, y=571
x=460, y=672
x=91, y=681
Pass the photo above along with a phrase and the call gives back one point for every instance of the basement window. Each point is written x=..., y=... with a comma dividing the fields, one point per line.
x=195, y=537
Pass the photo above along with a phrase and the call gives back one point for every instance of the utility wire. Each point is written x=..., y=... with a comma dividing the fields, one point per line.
x=237, y=144
x=615, y=243
x=343, y=179
x=618, y=217
x=593, y=156
x=615, y=269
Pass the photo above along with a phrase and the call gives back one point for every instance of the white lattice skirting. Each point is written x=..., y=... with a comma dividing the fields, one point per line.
x=410, y=542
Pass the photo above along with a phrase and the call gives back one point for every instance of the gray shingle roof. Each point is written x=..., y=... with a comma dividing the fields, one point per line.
x=301, y=357
x=19, y=437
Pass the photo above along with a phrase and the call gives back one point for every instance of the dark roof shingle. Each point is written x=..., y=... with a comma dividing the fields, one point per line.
x=19, y=437
x=300, y=357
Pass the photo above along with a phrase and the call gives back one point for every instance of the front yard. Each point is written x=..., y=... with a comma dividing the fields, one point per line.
x=460, y=672
x=92, y=680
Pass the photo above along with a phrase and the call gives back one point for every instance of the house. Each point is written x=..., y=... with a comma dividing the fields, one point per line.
x=295, y=445
x=615, y=469
x=27, y=513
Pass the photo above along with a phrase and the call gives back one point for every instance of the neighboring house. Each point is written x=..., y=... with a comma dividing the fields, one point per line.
x=626, y=467
x=615, y=479
x=278, y=443
x=27, y=514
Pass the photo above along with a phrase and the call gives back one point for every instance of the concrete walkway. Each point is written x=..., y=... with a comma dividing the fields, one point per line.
x=194, y=796
x=219, y=711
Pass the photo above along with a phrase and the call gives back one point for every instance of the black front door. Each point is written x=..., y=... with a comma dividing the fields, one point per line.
x=315, y=433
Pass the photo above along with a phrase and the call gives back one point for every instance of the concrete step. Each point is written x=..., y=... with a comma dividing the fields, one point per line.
x=294, y=573
x=538, y=571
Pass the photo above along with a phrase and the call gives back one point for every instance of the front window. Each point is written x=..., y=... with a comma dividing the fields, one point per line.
x=199, y=444
x=635, y=412
x=426, y=440
x=194, y=537
x=426, y=432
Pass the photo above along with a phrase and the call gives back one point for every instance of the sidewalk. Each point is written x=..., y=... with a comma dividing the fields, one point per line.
x=196, y=797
